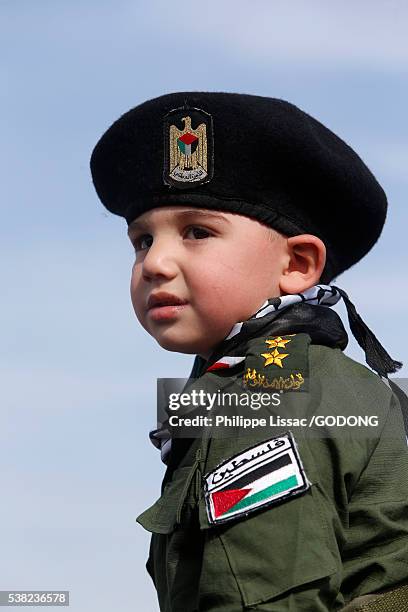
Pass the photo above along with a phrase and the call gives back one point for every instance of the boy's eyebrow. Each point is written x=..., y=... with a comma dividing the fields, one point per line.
x=202, y=213
x=136, y=224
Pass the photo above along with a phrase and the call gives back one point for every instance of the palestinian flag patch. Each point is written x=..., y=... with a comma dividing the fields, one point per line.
x=259, y=476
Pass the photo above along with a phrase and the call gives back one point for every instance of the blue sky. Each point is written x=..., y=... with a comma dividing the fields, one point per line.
x=78, y=373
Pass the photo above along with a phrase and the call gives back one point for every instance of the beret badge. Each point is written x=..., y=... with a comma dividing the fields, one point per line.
x=188, y=147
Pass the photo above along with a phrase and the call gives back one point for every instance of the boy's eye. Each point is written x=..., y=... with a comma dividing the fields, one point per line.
x=142, y=242
x=197, y=233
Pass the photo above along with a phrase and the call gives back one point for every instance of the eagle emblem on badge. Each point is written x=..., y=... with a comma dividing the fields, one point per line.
x=188, y=147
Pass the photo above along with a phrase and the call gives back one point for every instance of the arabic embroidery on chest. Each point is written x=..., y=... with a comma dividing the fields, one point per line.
x=259, y=476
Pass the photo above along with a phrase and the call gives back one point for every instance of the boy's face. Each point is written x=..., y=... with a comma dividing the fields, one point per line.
x=197, y=272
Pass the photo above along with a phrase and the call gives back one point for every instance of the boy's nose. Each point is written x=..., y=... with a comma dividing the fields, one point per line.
x=159, y=261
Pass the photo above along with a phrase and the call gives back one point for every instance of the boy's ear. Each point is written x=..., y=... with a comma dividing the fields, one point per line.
x=306, y=258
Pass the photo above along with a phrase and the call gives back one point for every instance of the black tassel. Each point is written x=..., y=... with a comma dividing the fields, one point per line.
x=376, y=356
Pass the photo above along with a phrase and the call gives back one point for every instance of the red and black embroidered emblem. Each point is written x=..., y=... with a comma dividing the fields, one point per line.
x=188, y=147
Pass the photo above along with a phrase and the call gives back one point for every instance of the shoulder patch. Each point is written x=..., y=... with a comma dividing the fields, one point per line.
x=260, y=476
x=278, y=362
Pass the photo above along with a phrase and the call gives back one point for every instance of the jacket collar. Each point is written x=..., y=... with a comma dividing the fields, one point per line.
x=323, y=325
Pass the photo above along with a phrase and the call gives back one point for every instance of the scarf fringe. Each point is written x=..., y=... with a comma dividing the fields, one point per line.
x=376, y=356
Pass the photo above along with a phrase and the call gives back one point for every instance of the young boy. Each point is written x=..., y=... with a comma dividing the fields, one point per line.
x=242, y=210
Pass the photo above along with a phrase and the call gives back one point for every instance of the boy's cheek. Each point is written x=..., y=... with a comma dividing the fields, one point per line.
x=228, y=302
x=137, y=303
x=140, y=315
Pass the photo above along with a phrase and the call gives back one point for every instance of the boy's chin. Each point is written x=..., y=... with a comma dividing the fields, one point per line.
x=182, y=346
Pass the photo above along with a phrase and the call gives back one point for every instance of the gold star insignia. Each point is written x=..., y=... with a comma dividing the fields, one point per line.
x=274, y=358
x=278, y=341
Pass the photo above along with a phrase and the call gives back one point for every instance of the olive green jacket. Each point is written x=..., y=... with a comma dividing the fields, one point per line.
x=344, y=537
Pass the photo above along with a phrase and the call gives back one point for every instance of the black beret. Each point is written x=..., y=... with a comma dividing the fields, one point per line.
x=256, y=156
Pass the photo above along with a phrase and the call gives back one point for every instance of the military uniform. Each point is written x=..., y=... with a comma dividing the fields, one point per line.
x=345, y=536
x=282, y=519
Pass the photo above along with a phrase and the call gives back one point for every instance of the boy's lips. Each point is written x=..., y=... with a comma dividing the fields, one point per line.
x=164, y=306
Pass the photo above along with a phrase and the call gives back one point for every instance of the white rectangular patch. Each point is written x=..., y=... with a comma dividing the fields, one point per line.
x=259, y=476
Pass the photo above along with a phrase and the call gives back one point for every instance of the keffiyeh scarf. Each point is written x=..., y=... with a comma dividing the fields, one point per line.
x=308, y=312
